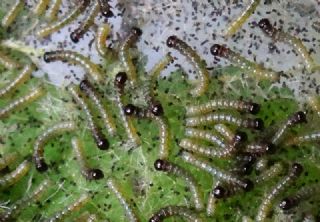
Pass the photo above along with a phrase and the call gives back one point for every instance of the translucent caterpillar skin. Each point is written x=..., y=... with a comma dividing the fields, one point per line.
x=305, y=193
x=243, y=17
x=197, y=62
x=267, y=203
x=36, y=195
x=48, y=30
x=124, y=54
x=314, y=103
x=8, y=159
x=12, y=14
x=214, y=171
x=225, y=132
x=85, y=26
x=269, y=174
x=310, y=137
x=14, y=176
x=105, y=8
x=42, y=139
x=41, y=7
x=99, y=138
x=7, y=62
x=257, y=70
x=101, y=37
x=22, y=77
x=74, y=57
x=54, y=10
x=114, y=187
x=87, y=88
x=170, y=211
x=211, y=202
x=260, y=148
x=19, y=102
x=224, y=118
x=87, y=172
x=194, y=110
x=76, y=206
x=171, y=168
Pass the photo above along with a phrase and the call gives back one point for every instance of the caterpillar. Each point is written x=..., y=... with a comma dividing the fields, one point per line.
x=99, y=138
x=309, y=137
x=39, y=144
x=314, y=103
x=261, y=164
x=170, y=211
x=114, y=187
x=15, y=175
x=49, y=29
x=75, y=206
x=156, y=108
x=211, y=202
x=17, y=103
x=87, y=172
x=296, y=118
x=193, y=110
x=8, y=159
x=171, y=168
x=224, y=118
x=54, y=10
x=278, y=35
x=245, y=184
x=257, y=70
x=224, y=190
x=23, y=203
x=105, y=8
x=228, y=135
x=274, y=171
x=41, y=7
x=7, y=62
x=12, y=14
x=89, y=21
x=22, y=77
x=247, y=12
x=260, y=148
x=101, y=37
x=87, y=217
x=74, y=57
x=197, y=62
x=87, y=88
x=304, y=193
x=266, y=205
x=124, y=54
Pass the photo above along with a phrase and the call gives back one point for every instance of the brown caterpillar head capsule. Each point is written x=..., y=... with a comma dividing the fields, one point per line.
x=299, y=117
x=239, y=137
x=41, y=166
x=155, y=218
x=297, y=169
x=75, y=37
x=266, y=26
x=270, y=148
x=247, y=185
x=254, y=108
x=94, y=174
x=219, y=192
x=287, y=203
x=107, y=13
x=47, y=57
x=160, y=165
x=172, y=41
x=258, y=124
x=219, y=50
x=120, y=79
x=136, y=31
x=156, y=109
x=102, y=143
x=245, y=168
x=130, y=110
x=84, y=84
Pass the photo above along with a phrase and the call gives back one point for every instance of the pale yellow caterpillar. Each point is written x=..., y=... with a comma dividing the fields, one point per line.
x=269, y=174
x=101, y=37
x=8, y=159
x=7, y=62
x=53, y=10
x=12, y=14
x=16, y=175
x=309, y=137
x=41, y=7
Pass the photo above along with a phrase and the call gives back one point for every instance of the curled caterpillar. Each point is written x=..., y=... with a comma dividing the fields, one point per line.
x=124, y=54
x=266, y=205
x=114, y=187
x=313, y=102
x=309, y=137
x=19, y=102
x=224, y=118
x=89, y=21
x=257, y=70
x=77, y=58
x=197, y=62
x=105, y=8
x=170, y=211
x=101, y=37
x=87, y=88
x=49, y=29
x=87, y=172
x=99, y=138
x=7, y=62
x=35, y=196
x=171, y=168
x=229, y=136
x=42, y=139
x=14, y=176
x=245, y=184
x=53, y=10
x=208, y=107
x=24, y=75
x=8, y=159
x=243, y=17
x=269, y=174
x=41, y=7
x=74, y=207
x=12, y=14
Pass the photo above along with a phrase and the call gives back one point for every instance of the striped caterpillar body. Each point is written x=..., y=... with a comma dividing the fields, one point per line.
x=257, y=70
x=41, y=7
x=310, y=137
x=24, y=75
x=48, y=30
x=306, y=192
x=260, y=148
x=19, y=102
x=245, y=184
x=87, y=217
x=41, y=140
x=269, y=174
x=105, y=8
x=224, y=118
x=7, y=62
x=75, y=206
x=87, y=88
x=243, y=17
x=101, y=37
x=87, y=172
x=74, y=58
x=99, y=138
x=226, y=132
x=314, y=103
x=54, y=10
x=124, y=54
x=266, y=205
x=171, y=168
x=8, y=159
x=114, y=187
x=12, y=14
x=89, y=21
x=197, y=62
x=170, y=211
x=208, y=107
x=14, y=176
x=212, y=202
